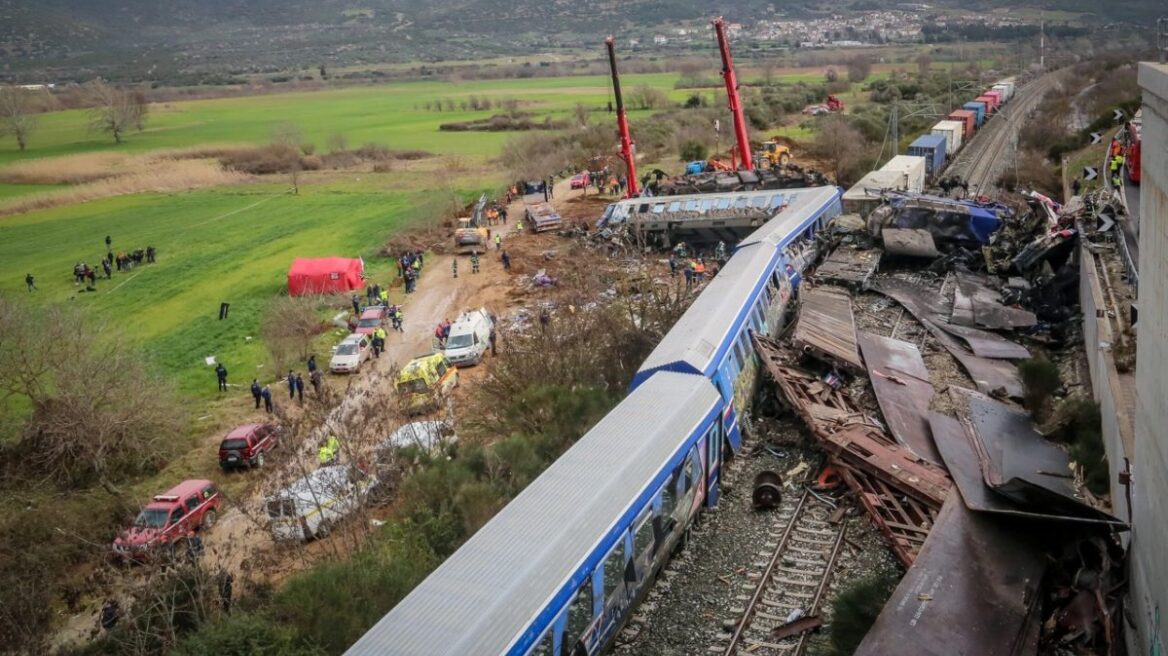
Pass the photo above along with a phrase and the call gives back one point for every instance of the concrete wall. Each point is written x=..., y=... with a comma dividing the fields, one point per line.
x=1098, y=335
x=1149, y=595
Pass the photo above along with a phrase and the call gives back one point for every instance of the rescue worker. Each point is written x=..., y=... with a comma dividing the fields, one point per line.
x=291, y=384
x=356, y=300
x=31, y=282
x=474, y=262
x=492, y=338
x=266, y=392
x=316, y=378
x=221, y=374
x=311, y=364
x=454, y=267
x=506, y=261
x=300, y=388
x=352, y=323
x=1117, y=180
x=255, y=391
x=498, y=242
x=399, y=320
x=1076, y=187
x=107, y=268
x=329, y=450
x=384, y=297
x=378, y=341
x=519, y=226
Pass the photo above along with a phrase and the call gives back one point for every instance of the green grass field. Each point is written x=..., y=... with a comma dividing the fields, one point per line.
x=214, y=246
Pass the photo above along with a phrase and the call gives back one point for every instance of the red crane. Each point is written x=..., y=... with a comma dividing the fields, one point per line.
x=732, y=91
x=622, y=123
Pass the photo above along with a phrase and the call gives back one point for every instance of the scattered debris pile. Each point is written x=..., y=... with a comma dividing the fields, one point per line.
x=1007, y=552
x=789, y=177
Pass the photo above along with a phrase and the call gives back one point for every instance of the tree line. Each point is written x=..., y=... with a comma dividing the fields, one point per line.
x=113, y=110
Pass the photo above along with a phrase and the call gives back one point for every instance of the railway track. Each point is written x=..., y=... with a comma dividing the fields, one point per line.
x=981, y=169
x=793, y=574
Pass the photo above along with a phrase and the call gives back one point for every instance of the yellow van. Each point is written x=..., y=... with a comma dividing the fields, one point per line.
x=424, y=382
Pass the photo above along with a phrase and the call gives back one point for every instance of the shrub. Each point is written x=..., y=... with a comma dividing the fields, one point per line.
x=334, y=604
x=856, y=609
x=1086, y=443
x=244, y=634
x=1040, y=380
x=692, y=150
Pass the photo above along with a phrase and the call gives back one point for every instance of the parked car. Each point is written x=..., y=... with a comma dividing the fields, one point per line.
x=245, y=445
x=428, y=436
x=313, y=504
x=580, y=180
x=424, y=382
x=350, y=353
x=168, y=519
x=469, y=339
x=371, y=319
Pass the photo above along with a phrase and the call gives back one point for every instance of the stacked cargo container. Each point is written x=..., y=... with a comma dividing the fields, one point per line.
x=979, y=111
x=932, y=147
x=994, y=97
x=967, y=119
x=953, y=132
x=911, y=169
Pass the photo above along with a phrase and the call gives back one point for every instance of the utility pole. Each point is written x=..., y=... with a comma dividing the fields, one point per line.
x=895, y=129
x=1042, y=42
x=1162, y=38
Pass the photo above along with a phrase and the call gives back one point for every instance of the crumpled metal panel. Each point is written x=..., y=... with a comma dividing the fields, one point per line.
x=972, y=591
x=901, y=382
x=827, y=327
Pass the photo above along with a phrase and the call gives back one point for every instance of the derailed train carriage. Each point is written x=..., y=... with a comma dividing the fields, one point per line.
x=558, y=571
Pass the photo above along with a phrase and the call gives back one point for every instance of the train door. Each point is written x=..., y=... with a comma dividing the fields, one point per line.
x=713, y=446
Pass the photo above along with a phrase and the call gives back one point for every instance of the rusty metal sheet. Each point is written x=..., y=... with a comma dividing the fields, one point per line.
x=986, y=344
x=909, y=241
x=961, y=459
x=986, y=309
x=990, y=376
x=1021, y=464
x=827, y=327
x=903, y=520
x=849, y=266
x=972, y=591
x=863, y=448
x=901, y=382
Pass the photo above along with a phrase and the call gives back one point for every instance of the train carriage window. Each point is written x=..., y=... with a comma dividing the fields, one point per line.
x=759, y=202
x=739, y=352
x=659, y=208
x=691, y=205
x=644, y=207
x=723, y=203
x=707, y=204
x=690, y=476
x=579, y=616
x=669, y=495
x=741, y=202
x=643, y=538
x=675, y=206
x=776, y=201
x=614, y=567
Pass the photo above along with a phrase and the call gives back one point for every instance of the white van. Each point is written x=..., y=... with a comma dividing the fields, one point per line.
x=313, y=504
x=470, y=337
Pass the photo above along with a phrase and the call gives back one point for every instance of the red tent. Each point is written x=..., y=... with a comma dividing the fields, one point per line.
x=324, y=275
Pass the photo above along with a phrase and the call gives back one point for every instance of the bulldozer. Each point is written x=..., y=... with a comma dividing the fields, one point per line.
x=774, y=155
x=471, y=234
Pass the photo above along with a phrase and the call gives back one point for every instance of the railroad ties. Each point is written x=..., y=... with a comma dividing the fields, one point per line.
x=790, y=577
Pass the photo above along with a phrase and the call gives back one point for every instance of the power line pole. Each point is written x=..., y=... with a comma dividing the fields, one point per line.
x=1042, y=42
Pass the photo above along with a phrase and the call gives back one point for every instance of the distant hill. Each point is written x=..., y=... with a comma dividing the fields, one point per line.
x=82, y=38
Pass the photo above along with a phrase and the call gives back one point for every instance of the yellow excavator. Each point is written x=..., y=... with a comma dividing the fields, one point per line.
x=471, y=234
x=774, y=154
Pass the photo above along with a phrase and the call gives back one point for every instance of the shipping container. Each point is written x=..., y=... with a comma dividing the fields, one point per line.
x=932, y=148
x=953, y=131
x=995, y=96
x=979, y=111
x=864, y=196
x=967, y=119
x=1010, y=84
x=911, y=168
x=1004, y=90
x=990, y=102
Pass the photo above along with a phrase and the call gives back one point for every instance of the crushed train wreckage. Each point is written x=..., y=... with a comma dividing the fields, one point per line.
x=1006, y=552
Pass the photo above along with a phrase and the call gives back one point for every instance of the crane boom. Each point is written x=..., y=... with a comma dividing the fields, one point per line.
x=732, y=91
x=622, y=123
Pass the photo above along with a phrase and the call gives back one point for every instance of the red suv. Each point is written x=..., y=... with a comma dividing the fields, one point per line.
x=168, y=519
x=245, y=445
x=372, y=319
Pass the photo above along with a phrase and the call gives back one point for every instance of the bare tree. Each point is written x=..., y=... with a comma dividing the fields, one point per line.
x=582, y=115
x=290, y=324
x=924, y=65
x=16, y=114
x=840, y=144
x=290, y=139
x=96, y=413
x=115, y=110
x=859, y=67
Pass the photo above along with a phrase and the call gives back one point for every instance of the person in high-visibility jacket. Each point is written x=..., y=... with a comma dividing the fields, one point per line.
x=329, y=450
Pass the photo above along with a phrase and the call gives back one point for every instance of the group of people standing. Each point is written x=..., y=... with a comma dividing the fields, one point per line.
x=84, y=274
x=952, y=184
x=409, y=268
x=295, y=381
